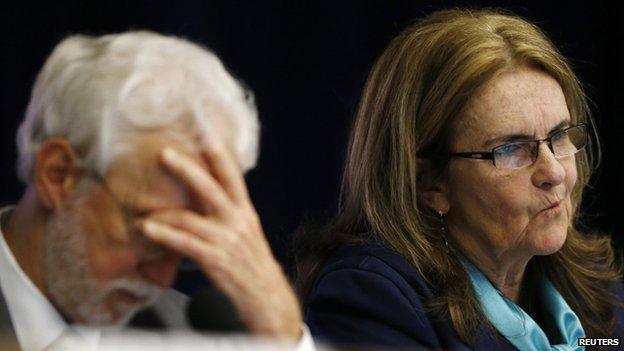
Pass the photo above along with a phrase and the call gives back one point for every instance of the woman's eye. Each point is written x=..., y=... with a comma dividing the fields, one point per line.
x=559, y=136
x=508, y=149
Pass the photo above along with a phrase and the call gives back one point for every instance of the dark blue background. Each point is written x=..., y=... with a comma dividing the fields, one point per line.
x=307, y=64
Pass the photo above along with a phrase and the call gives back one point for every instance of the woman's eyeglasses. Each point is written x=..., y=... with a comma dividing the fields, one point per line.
x=518, y=154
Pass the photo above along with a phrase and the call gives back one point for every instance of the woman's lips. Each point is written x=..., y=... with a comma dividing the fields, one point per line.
x=556, y=207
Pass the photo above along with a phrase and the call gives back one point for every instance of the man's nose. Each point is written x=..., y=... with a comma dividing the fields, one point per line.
x=548, y=169
x=158, y=265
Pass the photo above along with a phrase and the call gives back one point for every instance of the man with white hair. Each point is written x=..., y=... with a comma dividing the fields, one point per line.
x=132, y=150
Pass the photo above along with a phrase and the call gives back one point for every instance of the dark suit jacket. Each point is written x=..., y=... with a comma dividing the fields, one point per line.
x=368, y=295
x=8, y=339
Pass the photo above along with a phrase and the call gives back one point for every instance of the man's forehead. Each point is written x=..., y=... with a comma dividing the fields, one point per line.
x=138, y=176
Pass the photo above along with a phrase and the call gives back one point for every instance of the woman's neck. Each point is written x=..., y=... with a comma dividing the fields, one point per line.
x=505, y=269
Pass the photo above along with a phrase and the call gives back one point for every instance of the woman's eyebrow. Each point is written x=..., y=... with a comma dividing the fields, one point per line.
x=519, y=136
x=506, y=139
x=560, y=126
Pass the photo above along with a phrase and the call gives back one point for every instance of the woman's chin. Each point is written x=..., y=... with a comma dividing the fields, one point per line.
x=549, y=242
x=549, y=232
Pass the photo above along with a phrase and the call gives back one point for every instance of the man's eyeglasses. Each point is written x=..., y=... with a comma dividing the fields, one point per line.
x=130, y=220
x=518, y=154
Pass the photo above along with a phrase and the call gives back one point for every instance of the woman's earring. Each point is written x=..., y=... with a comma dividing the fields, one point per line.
x=444, y=230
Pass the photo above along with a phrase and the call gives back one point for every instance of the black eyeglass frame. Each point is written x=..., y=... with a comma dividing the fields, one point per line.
x=484, y=155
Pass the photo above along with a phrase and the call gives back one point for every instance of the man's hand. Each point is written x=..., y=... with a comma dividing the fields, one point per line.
x=225, y=238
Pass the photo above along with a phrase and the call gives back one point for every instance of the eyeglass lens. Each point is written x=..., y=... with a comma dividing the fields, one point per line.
x=519, y=154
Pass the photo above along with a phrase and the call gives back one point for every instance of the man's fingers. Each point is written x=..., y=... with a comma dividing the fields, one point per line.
x=225, y=169
x=186, y=244
x=217, y=264
x=173, y=239
x=209, y=229
x=198, y=180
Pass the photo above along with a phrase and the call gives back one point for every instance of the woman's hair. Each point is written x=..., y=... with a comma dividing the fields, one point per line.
x=99, y=92
x=410, y=104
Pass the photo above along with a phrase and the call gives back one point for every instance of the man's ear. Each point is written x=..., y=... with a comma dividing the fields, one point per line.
x=433, y=187
x=55, y=172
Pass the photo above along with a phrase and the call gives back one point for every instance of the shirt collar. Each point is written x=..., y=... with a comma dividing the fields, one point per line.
x=516, y=325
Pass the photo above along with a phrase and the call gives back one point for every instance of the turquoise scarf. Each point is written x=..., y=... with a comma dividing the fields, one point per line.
x=516, y=325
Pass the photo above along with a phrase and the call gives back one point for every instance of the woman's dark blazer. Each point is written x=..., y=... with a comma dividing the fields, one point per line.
x=368, y=295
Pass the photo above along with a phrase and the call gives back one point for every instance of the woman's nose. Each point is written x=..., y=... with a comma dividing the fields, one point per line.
x=548, y=170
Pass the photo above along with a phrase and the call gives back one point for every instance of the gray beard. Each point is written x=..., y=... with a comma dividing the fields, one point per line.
x=67, y=276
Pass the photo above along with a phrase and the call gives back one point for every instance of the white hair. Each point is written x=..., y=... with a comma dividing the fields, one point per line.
x=99, y=92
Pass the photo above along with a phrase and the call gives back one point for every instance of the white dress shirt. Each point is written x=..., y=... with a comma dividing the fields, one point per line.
x=39, y=326
x=36, y=322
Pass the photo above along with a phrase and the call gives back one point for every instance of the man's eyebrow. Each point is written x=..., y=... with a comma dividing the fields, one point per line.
x=518, y=137
x=147, y=206
x=152, y=203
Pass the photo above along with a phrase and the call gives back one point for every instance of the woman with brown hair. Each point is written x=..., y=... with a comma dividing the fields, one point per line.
x=468, y=157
